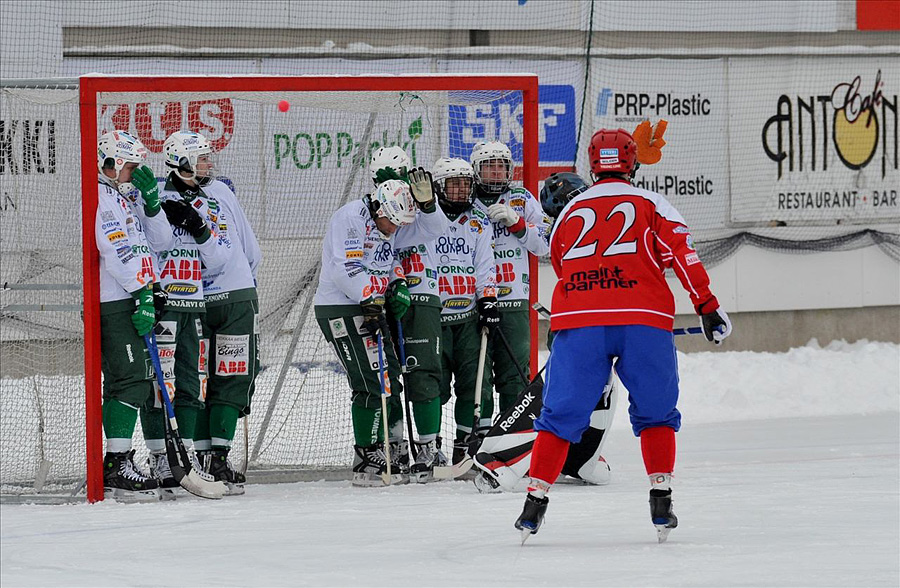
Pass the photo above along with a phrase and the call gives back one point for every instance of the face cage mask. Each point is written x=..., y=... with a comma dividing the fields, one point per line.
x=183, y=169
x=494, y=187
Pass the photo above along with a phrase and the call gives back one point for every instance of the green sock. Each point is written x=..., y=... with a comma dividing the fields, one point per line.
x=201, y=430
x=119, y=419
x=222, y=424
x=366, y=425
x=154, y=426
x=187, y=421
x=427, y=415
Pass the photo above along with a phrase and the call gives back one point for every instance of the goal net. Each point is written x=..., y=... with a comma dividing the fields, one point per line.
x=290, y=169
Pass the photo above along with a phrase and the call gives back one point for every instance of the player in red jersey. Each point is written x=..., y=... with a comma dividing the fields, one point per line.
x=610, y=248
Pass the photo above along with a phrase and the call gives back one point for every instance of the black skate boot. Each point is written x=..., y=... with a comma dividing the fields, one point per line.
x=400, y=460
x=158, y=463
x=124, y=482
x=220, y=468
x=532, y=516
x=370, y=467
x=661, y=512
x=428, y=455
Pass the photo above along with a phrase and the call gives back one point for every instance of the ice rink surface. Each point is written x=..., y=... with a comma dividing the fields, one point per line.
x=804, y=501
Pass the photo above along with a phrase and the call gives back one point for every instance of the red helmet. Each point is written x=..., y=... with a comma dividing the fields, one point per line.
x=612, y=152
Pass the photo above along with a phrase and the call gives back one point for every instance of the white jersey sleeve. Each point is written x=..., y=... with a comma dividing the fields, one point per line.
x=485, y=267
x=157, y=230
x=125, y=262
x=343, y=251
x=537, y=226
x=245, y=233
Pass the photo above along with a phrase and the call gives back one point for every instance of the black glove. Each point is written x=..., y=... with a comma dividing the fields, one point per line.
x=374, y=319
x=160, y=297
x=716, y=325
x=182, y=215
x=488, y=313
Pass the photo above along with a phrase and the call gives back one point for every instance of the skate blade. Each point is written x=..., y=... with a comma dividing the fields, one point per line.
x=526, y=533
x=131, y=496
x=422, y=477
x=234, y=489
x=167, y=494
x=662, y=533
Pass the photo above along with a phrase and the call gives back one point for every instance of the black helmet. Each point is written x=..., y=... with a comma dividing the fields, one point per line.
x=558, y=190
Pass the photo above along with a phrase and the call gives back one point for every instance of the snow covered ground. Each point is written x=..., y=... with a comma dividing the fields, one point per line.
x=788, y=475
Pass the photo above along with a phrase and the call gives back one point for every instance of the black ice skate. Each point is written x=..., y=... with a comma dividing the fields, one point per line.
x=124, y=482
x=370, y=467
x=400, y=460
x=532, y=516
x=162, y=473
x=220, y=468
x=661, y=512
x=428, y=455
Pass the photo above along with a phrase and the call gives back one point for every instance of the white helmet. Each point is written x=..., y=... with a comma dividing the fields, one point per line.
x=114, y=150
x=182, y=149
x=444, y=169
x=487, y=151
x=395, y=202
x=393, y=157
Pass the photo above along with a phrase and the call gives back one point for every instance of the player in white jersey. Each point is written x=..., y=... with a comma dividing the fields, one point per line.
x=467, y=284
x=228, y=334
x=416, y=304
x=357, y=268
x=519, y=227
x=127, y=275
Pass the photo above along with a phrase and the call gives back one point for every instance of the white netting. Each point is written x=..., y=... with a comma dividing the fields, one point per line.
x=290, y=170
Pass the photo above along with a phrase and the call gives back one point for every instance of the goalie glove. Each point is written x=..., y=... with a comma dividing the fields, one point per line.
x=421, y=186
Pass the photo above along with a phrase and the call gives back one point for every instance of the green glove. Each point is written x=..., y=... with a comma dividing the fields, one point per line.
x=144, y=316
x=144, y=180
x=398, y=300
x=385, y=174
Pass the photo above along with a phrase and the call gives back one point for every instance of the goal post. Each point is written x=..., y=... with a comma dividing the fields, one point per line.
x=300, y=173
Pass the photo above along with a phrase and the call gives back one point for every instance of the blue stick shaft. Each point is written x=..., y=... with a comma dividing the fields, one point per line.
x=150, y=340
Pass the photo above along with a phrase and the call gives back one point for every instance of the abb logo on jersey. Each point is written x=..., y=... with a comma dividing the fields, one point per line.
x=181, y=269
x=232, y=355
x=146, y=273
x=412, y=264
x=505, y=273
x=458, y=286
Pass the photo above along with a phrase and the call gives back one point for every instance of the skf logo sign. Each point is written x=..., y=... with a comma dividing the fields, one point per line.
x=152, y=122
x=852, y=120
x=501, y=120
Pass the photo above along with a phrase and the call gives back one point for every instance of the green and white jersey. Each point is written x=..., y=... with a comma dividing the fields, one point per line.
x=418, y=265
x=126, y=262
x=182, y=260
x=357, y=262
x=465, y=265
x=511, y=252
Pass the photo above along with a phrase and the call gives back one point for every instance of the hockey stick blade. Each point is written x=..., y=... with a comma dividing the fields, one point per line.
x=454, y=471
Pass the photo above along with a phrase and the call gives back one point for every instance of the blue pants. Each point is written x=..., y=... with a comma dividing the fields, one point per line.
x=579, y=367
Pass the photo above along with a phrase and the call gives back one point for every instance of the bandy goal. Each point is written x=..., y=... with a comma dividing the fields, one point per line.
x=294, y=150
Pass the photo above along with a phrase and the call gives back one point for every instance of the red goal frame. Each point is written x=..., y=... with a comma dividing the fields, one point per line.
x=90, y=86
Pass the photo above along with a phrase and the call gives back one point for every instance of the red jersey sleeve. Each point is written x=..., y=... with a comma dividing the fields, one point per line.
x=675, y=247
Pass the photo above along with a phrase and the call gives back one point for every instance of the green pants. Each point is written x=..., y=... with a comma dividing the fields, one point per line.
x=233, y=353
x=182, y=356
x=460, y=345
x=515, y=326
x=125, y=361
x=422, y=343
x=358, y=354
